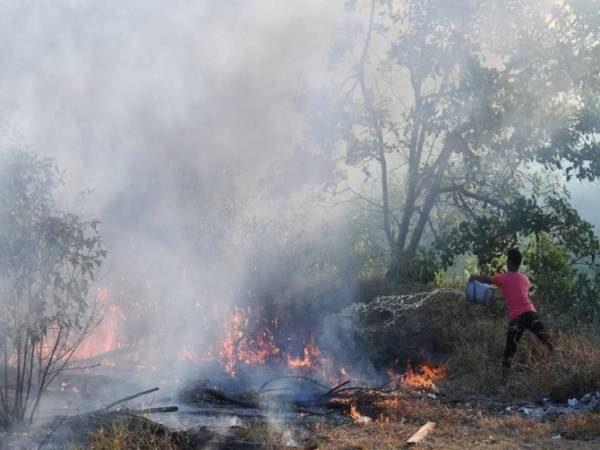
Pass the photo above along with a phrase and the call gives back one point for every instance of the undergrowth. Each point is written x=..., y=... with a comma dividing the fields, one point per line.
x=475, y=340
x=121, y=437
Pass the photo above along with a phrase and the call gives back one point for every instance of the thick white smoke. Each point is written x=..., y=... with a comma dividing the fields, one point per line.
x=173, y=114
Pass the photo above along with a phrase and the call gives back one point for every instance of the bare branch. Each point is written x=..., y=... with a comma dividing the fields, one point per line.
x=377, y=128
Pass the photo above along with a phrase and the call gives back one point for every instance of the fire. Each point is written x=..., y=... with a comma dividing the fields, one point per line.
x=316, y=362
x=424, y=378
x=106, y=336
x=242, y=345
x=250, y=341
x=357, y=417
x=311, y=358
x=354, y=413
x=432, y=371
x=186, y=353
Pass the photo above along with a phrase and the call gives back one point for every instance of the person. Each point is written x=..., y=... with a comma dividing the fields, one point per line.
x=522, y=315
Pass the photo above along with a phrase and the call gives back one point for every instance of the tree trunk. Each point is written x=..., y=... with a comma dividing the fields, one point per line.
x=400, y=269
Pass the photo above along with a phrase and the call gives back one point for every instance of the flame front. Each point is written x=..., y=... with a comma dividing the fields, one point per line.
x=106, y=336
x=424, y=378
x=249, y=340
x=242, y=345
x=356, y=416
x=311, y=358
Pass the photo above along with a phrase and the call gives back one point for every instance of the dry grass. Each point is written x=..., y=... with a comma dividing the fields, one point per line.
x=465, y=428
x=580, y=427
x=475, y=337
x=458, y=427
x=121, y=437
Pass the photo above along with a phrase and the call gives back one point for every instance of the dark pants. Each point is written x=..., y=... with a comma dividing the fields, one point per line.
x=526, y=321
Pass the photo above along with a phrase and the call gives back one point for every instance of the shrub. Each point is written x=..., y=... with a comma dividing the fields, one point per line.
x=47, y=262
x=566, y=286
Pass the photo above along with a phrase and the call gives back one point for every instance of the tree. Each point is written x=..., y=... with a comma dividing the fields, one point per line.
x=47, y=261
x=447, y=124
x=554, y=221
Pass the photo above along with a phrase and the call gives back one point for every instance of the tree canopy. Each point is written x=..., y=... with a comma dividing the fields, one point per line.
x=467, y=125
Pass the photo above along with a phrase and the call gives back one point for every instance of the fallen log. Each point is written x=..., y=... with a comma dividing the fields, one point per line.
x=421, y=433
x=220, y=396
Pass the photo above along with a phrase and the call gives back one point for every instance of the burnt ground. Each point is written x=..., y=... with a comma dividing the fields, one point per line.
x=383, y=420
x=473, y=409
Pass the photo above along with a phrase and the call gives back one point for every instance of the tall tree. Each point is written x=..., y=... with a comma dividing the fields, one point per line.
x=453, y=116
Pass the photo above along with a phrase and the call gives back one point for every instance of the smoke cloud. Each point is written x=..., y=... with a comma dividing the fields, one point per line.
x=173, y=115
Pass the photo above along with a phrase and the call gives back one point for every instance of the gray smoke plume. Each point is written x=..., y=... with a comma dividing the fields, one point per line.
x=173, y=115
x=176, y=115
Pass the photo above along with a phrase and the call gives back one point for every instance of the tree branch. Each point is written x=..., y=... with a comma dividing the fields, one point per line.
x=377, y=128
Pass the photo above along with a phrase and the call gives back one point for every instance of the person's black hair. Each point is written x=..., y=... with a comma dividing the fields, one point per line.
x=515, y=257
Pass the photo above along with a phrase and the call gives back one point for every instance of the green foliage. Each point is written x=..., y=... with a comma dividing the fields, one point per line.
x=424, y=265
x=561, y=252
x=551, y=274
x=489, y=235
x=471, y=112
x=566, y=291
x=47, y=261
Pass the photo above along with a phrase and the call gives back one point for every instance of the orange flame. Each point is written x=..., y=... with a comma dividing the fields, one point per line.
x=356, y=416
x=106, y=336
x=424, y=378
x=242, y=346
x=311, y=358
x=249, y=341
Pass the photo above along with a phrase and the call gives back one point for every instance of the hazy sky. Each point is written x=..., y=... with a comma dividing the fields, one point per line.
x=105, y=86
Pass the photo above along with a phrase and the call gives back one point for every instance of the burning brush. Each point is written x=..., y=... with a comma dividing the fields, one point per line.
x=423, y=378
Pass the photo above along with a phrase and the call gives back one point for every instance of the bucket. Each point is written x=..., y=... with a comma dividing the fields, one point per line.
x=480, y=293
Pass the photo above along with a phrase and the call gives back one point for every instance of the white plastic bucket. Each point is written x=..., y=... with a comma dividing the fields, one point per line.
x=480, y=293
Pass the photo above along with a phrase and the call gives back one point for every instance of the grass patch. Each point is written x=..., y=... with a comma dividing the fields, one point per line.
x=580, y=427
x=474, y=338
x=121, y=437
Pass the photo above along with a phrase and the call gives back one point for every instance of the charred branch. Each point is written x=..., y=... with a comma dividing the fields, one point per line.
x=130, y=397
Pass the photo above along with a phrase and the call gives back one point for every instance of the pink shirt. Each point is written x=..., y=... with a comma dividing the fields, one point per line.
x=515, y=287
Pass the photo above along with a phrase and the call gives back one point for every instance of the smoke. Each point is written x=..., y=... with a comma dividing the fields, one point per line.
x=173, y=115
x=178, y=117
